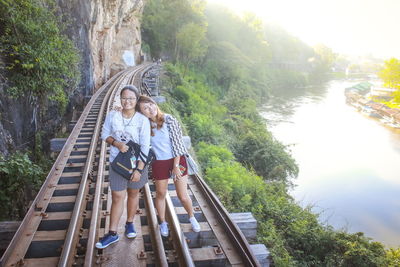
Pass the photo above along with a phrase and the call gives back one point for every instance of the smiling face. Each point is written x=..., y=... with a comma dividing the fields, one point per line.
x=128, y=100
x=149, y=109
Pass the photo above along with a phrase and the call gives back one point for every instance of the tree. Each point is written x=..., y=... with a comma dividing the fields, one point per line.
x=390, y=76
x=226, y=64
x=326, y=57
x=41, y=62
x=191, y=44
x=393, y=257
x=162, y=19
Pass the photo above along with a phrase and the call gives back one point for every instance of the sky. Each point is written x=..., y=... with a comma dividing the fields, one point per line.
x=351, y=27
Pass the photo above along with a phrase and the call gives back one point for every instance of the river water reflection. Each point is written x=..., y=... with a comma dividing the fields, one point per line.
x=349, y=163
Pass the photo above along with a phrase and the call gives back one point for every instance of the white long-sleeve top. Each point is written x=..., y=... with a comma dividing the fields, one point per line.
x=167, y=141
x=136, y=129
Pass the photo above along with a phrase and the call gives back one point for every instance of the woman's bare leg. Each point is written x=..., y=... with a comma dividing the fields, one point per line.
x=132, y=204
x=117, y=207
x=181, y=191
x=161, y=192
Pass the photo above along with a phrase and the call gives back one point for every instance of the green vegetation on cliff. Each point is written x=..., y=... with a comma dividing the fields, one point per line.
x=39, y=65
x=18, y=182
x=40, y=62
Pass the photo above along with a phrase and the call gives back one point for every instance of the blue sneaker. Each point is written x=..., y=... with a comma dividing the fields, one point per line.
x=107, y=240
x=130, y=230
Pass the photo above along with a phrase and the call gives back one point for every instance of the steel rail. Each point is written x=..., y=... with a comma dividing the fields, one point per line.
x=94, y=224
x=179, y=240
x=161, y=258
x=72, y=240
x=72, y=233
x=132, y=80
x=183, y=256
x=25, y=234
x=143, y=85
x=17, y=248
x=93, y=231
x=109, y=196
x=235, y=234
x=94, y=221
x=180, y=243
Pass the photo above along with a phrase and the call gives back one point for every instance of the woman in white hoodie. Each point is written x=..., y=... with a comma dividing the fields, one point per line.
x=119, y=128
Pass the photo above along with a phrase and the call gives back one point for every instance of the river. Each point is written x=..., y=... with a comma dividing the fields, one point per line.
x=349, y=163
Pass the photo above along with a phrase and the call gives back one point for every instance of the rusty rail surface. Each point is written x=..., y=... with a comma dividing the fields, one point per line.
x=50, y=231
x=71, y=211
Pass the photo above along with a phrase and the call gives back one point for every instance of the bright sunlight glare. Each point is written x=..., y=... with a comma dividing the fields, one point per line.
x=352, y=27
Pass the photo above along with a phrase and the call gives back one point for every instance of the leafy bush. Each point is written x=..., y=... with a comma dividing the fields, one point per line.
x=19, y=179
x=209, y=154
x=356, y=250
x=203, y=128
x=393, y=257
x=267, y=156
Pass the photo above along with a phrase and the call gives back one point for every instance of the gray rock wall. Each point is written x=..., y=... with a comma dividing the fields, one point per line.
x=114, y=36
x=107, y=33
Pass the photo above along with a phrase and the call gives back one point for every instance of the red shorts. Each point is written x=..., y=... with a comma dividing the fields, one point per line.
x=162, y=169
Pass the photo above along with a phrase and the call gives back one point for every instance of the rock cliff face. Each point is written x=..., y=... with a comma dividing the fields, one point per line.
x=114, y=36
x=107, y=34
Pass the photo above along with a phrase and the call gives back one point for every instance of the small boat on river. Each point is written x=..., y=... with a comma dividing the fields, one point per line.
x=370, y=112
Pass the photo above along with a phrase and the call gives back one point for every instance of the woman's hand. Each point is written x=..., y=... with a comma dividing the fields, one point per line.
x=121, y=146
x=135, y=176
x=176, y=173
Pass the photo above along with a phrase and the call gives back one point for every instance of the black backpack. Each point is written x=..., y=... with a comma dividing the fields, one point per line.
x=126, y=163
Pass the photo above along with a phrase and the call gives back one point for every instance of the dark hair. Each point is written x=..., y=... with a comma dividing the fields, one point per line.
x=131, y=88
x=160, y=115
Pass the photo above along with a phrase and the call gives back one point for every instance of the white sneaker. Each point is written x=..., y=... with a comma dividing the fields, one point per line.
x=195, y=224
x=164, y=229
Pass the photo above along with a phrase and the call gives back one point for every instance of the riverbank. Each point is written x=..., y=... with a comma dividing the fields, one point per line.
x=348, y=166
x=388, y=116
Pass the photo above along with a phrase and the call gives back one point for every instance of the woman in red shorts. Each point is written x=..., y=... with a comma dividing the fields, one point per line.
x=167, y=143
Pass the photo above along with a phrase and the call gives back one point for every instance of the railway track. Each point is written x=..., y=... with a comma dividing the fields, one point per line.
x=71, y=211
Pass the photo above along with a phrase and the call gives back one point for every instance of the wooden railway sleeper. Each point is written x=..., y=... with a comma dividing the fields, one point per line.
x=97, y=176
x=171, y=255
x=101, y=259
x=40, y=207
x=92, y=178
